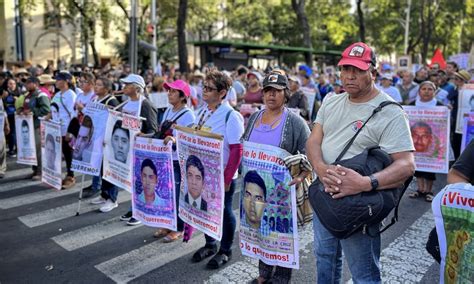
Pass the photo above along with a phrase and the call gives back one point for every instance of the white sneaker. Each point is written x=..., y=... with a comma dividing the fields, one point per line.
x=108, y=206
x=98, y=200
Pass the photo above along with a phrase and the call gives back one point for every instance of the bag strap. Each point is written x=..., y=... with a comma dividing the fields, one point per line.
x=377, y=109
x=395, y=213
x=180, y=115
x=64, y=106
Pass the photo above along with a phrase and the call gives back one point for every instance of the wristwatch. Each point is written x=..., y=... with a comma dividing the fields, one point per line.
x=374, y=182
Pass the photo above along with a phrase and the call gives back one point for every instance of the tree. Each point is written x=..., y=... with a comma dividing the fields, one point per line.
x=181, y=30
x=299, y=8
x=360, y=17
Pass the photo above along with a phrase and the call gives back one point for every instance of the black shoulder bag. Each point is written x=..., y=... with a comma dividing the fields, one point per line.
x=165, y=129
x=345, y=216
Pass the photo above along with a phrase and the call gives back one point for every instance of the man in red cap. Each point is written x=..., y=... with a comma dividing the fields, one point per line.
x=339, y=118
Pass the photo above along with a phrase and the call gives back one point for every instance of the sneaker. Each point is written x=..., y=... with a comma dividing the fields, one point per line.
x=133, y=222
x=98, y=200
x=11, y=154
x=126, y=216
x=89, y=192
x=36, y=177
x=69, y=182
x=108, y=206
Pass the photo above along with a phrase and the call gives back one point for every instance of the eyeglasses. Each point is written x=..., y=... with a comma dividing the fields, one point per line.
x=208, y=88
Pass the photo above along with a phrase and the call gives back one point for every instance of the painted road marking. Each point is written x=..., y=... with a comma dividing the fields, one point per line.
x=63, y=212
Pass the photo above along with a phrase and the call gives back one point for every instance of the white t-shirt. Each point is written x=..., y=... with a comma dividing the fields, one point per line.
x=392, y=92
x=84, y=98
x=341, y=118
x=231, y=96
x=185, y=120
x=66, y=111
x=133, y=107
x=232, y=130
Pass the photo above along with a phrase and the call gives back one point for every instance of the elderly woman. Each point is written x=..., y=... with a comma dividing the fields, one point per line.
x=277, y=126
x=424, y=140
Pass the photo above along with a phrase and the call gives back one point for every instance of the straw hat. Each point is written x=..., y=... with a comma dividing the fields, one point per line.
x=46, y=79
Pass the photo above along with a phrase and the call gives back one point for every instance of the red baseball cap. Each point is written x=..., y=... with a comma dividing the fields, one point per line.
x=359, y=55
x=179, y=85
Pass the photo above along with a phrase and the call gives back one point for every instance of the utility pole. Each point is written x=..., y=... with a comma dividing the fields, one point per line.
x=19, y=39
x=153, y=41
x=407, y=26
x=85, y=37
x=133, y=37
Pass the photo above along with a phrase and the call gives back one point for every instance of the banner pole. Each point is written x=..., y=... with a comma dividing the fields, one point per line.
x=80, y=195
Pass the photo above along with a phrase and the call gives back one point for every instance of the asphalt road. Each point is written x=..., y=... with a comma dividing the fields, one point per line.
x=44, y=242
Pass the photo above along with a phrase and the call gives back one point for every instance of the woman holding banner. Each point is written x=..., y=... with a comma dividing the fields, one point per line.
x=277, y=126
x=176, y=114
x=423, y=139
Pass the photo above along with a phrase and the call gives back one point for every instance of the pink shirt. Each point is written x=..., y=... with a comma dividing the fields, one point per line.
x=44, y=90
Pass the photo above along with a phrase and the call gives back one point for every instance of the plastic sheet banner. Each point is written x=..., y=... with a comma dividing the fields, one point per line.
x=465, y=105
x=89, y=145
x=453, y=209
x=119, y=134
x=468, y=130
x=430, y=133
x=201, y=156
x=153, y=195
x=268, y=224
x=51, y=154
x=25, y=140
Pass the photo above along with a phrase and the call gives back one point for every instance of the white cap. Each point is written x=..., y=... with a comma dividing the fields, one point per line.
x=134, y=79
x=387, y=76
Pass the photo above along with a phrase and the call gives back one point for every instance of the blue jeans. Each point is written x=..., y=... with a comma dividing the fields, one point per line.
x=96, y=183
x=109, y=191
x=361, y=251
x=229, y=222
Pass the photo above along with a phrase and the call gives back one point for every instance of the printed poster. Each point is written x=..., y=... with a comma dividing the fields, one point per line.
x=51, y=154
x=2, y=127
x=119, y=134
x=268, y=224
x=311, y=96
x=201, y=201
x=88, y=147
x=430, y=133
x=25, y=139
x=465, y=105
x=153, y=195
x=454, y=218
x=468, y=130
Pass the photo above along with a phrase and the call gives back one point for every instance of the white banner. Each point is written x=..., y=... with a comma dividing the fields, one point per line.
x=119, y=134
x=89, y=145
x=25, y=139
x=465, y=105
x=51, y=154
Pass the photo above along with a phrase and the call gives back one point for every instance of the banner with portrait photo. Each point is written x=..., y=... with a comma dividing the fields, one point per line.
x=468, y=130
x=465, y=105
x=268, y=224
x=88, y=147
x=119, y=134
x=454, y=219
x=51, y=154
x=310, y=94
x=430, y=133
x=2, y=127
x=153, y=195
x=201, y=199
x=25, y=139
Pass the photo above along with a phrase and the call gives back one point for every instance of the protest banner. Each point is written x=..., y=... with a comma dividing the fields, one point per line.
x=25, y=139
x=89, y=144
x=119, y=134
x=310, y=94
x=468, y=130
x=268, y=224
x=51, y=151
x=454, y=218
x=154, y=198
x=430, y=133
x=201, y=200
x=465, y=105
x=2, y=125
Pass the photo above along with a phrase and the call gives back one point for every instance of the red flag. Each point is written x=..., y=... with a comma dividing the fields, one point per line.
x=439, y=59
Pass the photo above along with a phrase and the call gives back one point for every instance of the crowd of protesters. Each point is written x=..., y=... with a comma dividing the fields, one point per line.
x=283, y=108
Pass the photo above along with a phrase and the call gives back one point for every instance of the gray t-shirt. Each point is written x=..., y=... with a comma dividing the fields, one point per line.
x=341, y=118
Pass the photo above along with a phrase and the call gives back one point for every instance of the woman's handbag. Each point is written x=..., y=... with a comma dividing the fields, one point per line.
x=345, y=216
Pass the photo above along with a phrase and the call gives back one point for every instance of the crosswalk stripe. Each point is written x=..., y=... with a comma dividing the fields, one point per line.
x=30, y=198
x=17, y=173
x=91, y=234
x=18, y=184
x=138, y=262
x=405, y=260
x=247, y=269
x=63, y=212
x=135, y=263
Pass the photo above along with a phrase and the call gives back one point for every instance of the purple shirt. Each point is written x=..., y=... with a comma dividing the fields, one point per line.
x=264, y=134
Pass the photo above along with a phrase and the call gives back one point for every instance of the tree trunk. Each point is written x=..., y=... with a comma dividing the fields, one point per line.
x=181, y=26
x=94, y=53
x=428, y=30
x=360, y=14
x=298, y=7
